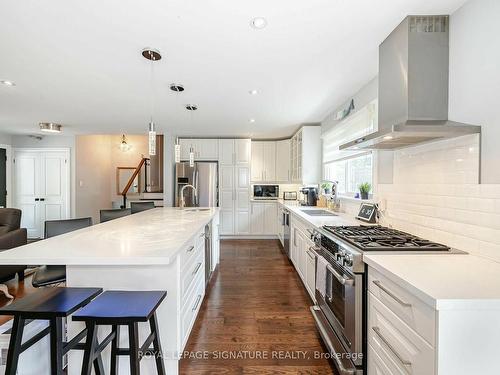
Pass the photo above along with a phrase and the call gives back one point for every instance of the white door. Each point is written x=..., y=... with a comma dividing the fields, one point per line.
x=257, y=218
x=242, y=206
x=269, y=161
x=41, y=187
x=26, y=195
x=208, y=149
x=226, y=199
x=257, y=165
x=283, y=160
x=226, y=152
x=243, y=151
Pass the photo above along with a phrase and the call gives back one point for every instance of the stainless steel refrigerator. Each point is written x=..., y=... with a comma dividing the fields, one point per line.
x=203, y=176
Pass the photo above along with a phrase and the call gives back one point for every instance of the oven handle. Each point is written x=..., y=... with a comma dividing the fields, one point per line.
x=342, y=280
x=386, y=342
x=325, y=335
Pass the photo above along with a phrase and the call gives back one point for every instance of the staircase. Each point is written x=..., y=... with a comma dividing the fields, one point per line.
x=143, y=170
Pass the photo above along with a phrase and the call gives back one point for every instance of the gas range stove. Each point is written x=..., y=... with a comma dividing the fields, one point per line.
x=346, y=244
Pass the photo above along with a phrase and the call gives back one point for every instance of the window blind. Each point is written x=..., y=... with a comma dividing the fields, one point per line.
x=361, y=123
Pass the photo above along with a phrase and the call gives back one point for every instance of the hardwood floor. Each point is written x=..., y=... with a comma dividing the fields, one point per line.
x=256, y=304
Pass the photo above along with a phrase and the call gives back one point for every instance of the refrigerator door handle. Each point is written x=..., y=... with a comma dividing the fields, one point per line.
x=197, y=186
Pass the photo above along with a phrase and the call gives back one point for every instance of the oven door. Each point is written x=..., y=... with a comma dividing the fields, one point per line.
x=342, y=306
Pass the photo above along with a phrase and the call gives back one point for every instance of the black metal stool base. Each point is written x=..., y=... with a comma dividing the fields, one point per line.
x=135, y=352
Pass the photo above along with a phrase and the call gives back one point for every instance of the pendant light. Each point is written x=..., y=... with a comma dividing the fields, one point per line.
x=177, y=151
x=191, y=156
x=152, y=55
x=124, y=146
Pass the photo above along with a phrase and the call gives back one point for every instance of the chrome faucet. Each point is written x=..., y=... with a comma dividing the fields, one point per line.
x=182, y=202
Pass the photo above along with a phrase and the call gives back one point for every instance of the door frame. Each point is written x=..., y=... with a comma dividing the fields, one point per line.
x=8, y=150
x=67, y=153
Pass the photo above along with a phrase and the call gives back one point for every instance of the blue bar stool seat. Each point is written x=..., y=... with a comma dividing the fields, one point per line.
x=117, y=308
x=52, y=304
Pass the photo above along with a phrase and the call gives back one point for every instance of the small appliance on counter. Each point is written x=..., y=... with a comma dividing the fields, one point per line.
x=368, y=212
x=310, y=196
x=289, y=195
x=266, y=191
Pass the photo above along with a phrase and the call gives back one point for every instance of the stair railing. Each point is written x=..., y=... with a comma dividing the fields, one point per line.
x=130, y=182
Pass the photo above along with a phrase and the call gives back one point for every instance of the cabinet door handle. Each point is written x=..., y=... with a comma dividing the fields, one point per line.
x=197, y=268
x=311, y=255
x=191, y=248
x=37, y=199
x=42, y=199
x=198, y=299
x=386, y=342
x=391, y=294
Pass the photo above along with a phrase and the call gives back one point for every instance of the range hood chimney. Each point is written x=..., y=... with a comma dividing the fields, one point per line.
x=413, y=87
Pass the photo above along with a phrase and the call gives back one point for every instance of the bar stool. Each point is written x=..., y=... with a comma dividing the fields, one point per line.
x=117, y=308
x=52, y=304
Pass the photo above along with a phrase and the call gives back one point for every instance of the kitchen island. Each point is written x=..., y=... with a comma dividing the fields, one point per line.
x=159, y=249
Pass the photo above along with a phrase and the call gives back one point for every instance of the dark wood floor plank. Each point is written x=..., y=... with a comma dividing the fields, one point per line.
x=255, y=303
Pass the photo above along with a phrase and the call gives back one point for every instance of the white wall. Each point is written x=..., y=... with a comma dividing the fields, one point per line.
x=475, y=76
x=5, y=139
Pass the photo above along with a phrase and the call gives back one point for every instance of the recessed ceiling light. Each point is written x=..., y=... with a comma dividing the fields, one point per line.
x=253, y=92
x=176, y=87
x=7, y=83
x=388, y=137
x=191, y=107
x=258, y=23
x=251, y=121
x=49, y=127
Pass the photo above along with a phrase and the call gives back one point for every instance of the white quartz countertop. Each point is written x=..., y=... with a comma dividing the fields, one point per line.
x=318, y=221
x=149, y=237
x=444, y=281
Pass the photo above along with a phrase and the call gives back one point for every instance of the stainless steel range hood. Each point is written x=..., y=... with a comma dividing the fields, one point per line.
x=413, y=87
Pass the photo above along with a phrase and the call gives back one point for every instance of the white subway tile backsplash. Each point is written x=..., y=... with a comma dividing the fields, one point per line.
x=436, y=195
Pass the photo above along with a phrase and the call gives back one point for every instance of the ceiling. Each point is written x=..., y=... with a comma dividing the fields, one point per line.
x=80, y=63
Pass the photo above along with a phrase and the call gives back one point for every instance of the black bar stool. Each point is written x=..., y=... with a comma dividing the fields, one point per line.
x=117, y=308
x=52, y=304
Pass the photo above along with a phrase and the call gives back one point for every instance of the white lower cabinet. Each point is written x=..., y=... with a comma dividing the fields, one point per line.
x=263, y=218
x=302, y=257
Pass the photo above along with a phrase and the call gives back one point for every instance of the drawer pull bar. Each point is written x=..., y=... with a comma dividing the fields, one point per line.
x=198, y=299
x=191, y=248
x=197, y=269
x=391, y=294
x=311, y=255
x=379, y=334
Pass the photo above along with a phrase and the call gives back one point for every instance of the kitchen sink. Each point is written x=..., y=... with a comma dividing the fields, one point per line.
x=318, y=213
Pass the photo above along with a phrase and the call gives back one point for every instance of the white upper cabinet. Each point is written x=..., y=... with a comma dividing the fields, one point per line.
x=306, y=155
x=226, y=151
x=243, y=151
x=263, y=161
x=283, y=161
x=203, y=149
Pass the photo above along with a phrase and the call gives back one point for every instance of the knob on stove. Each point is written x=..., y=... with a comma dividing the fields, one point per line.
x=348, y=261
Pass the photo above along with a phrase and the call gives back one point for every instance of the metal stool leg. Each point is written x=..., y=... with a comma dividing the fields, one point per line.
x=90, y=346
x=133, y=337
x=160, y=365
x=115, y=344
x=56, y=342
x=16, y=338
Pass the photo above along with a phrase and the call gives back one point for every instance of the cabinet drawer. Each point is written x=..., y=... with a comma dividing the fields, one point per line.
x=193, y=247
x=195, y=267
x=377, y=366
x=395, y=343
x=191, y=307
x=411, y=310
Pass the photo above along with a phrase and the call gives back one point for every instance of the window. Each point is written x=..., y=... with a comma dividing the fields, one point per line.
x=349, y=168
x=350, y=173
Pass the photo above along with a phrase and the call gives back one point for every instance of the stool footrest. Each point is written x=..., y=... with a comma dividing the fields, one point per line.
x=32, y=341
x=74, y=343
x=103, y=345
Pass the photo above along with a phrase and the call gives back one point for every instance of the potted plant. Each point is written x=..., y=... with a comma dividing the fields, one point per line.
x=364, y=190
x=327, y=187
